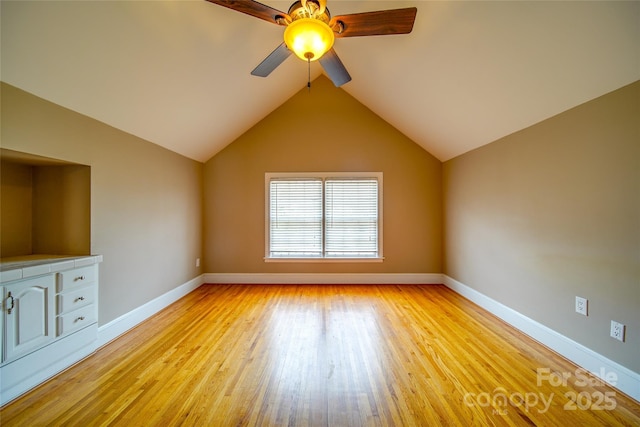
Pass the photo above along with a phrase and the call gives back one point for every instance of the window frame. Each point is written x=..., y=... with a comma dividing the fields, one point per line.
x=323, y=176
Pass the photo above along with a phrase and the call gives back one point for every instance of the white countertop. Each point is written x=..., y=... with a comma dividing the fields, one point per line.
x=23, y=267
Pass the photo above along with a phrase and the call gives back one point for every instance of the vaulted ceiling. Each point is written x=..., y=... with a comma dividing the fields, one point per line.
x=176, y=73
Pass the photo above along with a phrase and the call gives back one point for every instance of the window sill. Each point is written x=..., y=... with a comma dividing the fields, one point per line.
x=309, y=260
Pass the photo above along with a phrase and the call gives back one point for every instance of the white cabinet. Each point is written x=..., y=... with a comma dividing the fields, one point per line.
x=28, y=315
x=49, y=320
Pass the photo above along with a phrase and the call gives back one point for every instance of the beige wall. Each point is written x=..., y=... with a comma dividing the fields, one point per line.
x=146, y=202
x=16, y=204
x=552, y=212
x=324, y=130
x=62, y=210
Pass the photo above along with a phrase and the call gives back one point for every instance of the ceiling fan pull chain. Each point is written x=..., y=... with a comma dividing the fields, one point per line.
x=309, y=78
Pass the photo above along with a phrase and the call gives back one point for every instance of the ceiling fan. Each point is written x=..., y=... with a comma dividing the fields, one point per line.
x=310, y=31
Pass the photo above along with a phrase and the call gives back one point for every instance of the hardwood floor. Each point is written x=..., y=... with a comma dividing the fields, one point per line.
x=330, y=355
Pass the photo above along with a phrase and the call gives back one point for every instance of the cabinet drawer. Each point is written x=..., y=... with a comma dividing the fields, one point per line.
x=76, y=319
x=76, y=298
x=78, y=277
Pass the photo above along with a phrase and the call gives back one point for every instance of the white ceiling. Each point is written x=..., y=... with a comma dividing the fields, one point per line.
x=176, y=73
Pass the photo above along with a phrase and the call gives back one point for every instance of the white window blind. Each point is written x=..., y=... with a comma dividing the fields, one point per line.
x=351, y=218
x=296, y=218
x=324, y=216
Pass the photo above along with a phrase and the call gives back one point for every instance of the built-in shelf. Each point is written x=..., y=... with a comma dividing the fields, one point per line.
x=45, y=208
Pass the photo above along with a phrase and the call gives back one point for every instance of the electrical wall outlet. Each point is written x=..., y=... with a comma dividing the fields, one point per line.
x=617, y=330
x=582, y=305
x=197, y=262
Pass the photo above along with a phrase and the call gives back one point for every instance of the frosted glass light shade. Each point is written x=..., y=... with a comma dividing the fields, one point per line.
x=308, y=38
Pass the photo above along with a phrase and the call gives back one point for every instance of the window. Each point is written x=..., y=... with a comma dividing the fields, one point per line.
x=334, y=216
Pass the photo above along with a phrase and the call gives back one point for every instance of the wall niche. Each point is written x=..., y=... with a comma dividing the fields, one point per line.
x=45, y=207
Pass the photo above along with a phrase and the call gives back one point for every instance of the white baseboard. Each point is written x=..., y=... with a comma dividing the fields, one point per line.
x=122, y=324
x=324, y=278
x=627, y=381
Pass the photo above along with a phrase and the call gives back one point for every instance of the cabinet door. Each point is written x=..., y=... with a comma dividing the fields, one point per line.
x=28, y=315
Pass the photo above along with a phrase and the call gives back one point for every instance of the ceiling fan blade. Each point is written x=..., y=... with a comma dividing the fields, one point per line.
x=334, y=68
x=380, y=23
x=254, y=8
x=272, y=61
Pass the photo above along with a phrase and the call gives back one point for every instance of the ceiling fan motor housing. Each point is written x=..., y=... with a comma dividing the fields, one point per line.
x=309, y=9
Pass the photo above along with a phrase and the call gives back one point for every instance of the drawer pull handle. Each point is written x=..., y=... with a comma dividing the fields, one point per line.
x=80, y=318
x=79, y=278
x=13, y=303
x=80, y=299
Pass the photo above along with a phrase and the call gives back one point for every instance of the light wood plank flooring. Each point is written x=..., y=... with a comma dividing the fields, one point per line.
x=323, y=355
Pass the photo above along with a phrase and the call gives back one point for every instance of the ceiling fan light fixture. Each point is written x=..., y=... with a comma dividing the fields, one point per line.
x=309, y=38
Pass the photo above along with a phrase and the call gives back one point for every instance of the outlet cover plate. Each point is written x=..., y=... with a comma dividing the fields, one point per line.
x=582, y=305
x=617, y=330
